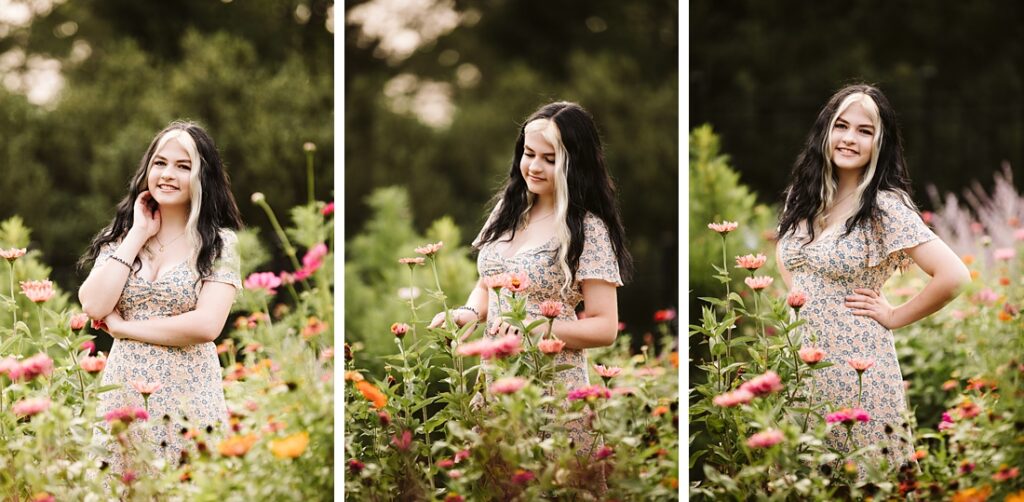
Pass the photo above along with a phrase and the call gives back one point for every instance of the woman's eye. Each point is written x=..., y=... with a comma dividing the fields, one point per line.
x=185, y=167
x=840, y=126
x=528, y=155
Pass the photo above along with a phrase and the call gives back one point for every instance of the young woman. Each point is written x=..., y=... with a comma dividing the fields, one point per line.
x=848, y=223
x=165, y=275
x=556, y=221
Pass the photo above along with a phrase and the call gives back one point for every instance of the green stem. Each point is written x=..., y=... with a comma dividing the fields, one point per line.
x=444, y=299
x=860, y=389
x=13, y=299
x=266, y=310
x=288, y=249
x=760, y=323
x=412, y=301
x=78, y=369
x=796, y=357
x=408, y=382
x=40, y=307
x=309, y=174
x=728, y=313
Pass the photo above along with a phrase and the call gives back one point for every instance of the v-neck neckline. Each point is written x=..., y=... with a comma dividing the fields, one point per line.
x=523, y=249
x=163, y=275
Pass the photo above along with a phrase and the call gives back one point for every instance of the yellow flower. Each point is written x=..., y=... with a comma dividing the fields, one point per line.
x=291, y=446
x=238, y=445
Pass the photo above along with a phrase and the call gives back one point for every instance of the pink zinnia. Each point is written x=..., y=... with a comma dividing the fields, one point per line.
x=986, y=295
x=461, y=455
x=38, y=291
x=328, y=209
x=550, y=345
x=734, y=398
x=589, y=392
x=399, y=329
x=758, y=282
x=89, y=345
x=517, y=283
x=796, y=299
x=430, y=249
x=609, y=372
x=412, y=261
x=1004, y=254
x=314, y=258
x=751, y=262
x=128, y=476
x=11, y=367
x=604, y=452
x=521, y=477
x=1018, y=234
x=507, y=385
x=126, y=415
x=12, y=254
x=266, y=281
x=1005, y=473
x=78, y=321
x=664, y=315
x=811, y=355
x=551, y=309
x=32, y=406
x=765, y=439
x=763, y=384
x=508, y=345
x=93, y=364
x=496, y=281
x=848, y=416
x=446, y=463
x=403, y=442
x=860, y=364
x=146, y=388
x=39, y=364
x=724, y=227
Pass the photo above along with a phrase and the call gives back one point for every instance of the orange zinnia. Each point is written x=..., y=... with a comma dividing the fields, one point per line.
x=238, y=445
x=973, y=494
x=291, y=446
x=372, y=394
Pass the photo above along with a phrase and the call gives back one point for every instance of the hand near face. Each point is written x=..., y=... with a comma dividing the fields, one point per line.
x=145, y=220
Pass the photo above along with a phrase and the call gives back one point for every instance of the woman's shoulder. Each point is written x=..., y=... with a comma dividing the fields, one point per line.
x=228, y=235
x=889, y=199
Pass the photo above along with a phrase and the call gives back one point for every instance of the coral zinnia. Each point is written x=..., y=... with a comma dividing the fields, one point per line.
x=751, y=262
x=811, y=355
x=237, y=445
x=507, y=385
x=763, y=384
x=796, y=299
x=861, y=365
x=551, y=309
x=372, y=393
x=758, y=282
x=38, y=291
x=550, y=345
x=765, y=439
x=724, y=227
x=31, y=406
x=430, y=249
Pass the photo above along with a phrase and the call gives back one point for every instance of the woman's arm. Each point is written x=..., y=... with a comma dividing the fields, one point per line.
x=477, y=300
x=786, y=277
x=601, y=325
x=201, y=325
x=101, y=290
x=949, y=276
x=598, y=328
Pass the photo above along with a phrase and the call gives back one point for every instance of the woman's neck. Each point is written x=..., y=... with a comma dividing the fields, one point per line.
x=173, y=220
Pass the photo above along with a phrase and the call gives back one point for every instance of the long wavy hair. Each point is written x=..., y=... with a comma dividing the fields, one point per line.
x=212, y=206
x=814, y=179
x=582, y=185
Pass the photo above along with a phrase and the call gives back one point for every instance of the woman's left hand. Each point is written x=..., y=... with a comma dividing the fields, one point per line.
x=114, y=321
x=503, y=328
x=871, y=303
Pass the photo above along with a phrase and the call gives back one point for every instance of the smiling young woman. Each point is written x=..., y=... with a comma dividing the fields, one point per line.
x=556, y=222
x=848, y=223
x=164, y=276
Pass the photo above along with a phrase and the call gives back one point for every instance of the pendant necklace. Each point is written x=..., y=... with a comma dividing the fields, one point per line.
x=162, y=245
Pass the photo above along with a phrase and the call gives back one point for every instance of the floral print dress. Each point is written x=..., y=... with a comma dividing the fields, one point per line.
x=540, y=264
x=191, y=395
x=828, y=270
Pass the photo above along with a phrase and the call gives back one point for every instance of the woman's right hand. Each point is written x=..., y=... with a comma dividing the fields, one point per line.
x=145, y=221
x=460, y=316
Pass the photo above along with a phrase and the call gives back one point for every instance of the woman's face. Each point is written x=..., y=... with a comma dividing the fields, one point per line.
x=852, y=137
x=169, y=171
x=538, y=164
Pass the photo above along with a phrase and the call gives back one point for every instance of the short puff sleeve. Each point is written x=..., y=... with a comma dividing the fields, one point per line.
x=106, y=251
x=598, y=260
x=227, y=267
x=897, y=227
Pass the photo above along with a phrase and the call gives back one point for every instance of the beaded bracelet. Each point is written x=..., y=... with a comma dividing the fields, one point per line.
x=122, y=262
x=471, y=309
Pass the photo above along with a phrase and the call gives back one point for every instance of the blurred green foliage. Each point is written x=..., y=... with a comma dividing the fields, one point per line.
x=257, y=75
x=619, y=60
x=374, y=278
x=717, y=194
x=761, y=71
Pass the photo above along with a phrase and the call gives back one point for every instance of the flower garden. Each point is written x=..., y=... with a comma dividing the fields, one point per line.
x=754, y=433
x=278, y=381
x=459, y=416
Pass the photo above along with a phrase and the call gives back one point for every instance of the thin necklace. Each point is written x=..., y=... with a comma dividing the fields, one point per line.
x=534, y=219
x=162, y=245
